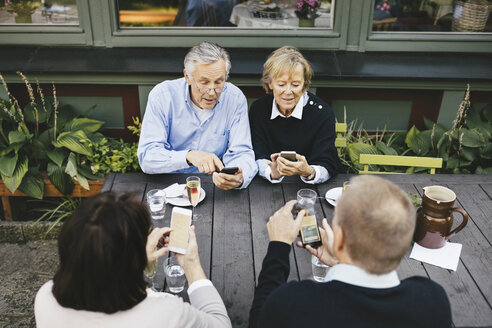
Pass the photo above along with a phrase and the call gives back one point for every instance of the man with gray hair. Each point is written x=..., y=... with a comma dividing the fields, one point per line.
x=371, y=231
x=199, y=123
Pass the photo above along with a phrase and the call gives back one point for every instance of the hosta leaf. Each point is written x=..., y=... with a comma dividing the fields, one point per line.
x=487, y=151
x=14, y=147
x=416, y=143
x=486, y=113
x=13, y=182
x=357, y=148
x=386, y=150
x=85, y=124
x=86, y=172
x=73, y=141
x=60, y=179
x=71, y=168
x=8, y=164
x=82, y=181
x=481, y=170
x=57, y=156
x=464, y=163
x=17, y=136
x=428, y=123
x=30, y=113
x=469, y=154
x=452, y=163
x=472, y=138
x=32, y=185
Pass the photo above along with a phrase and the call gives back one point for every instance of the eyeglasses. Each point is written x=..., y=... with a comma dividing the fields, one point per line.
x=207, y=90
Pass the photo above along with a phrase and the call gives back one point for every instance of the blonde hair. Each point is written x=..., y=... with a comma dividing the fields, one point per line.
x=285, y=59
x=378, y=222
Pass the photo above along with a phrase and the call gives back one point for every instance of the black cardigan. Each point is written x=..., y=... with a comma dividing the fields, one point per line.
x=417, y=302
x=313, y=136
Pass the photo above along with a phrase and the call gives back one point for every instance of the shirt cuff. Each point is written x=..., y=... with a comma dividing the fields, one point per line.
x=198, y=284
x=180, y=157
x=267, y=176
x=321, y=175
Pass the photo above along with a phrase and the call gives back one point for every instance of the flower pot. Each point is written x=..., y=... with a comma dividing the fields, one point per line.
x=49, y=191
x=306, y=22
x=23, y=19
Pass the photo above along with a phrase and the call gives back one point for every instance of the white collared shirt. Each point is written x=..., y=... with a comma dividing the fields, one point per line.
x=354, y=275
x=321, y=174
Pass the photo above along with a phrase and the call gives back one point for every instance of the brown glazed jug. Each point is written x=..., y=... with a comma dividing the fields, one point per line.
x=435, y=217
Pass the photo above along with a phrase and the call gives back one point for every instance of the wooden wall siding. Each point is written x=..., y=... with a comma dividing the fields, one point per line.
x=128, y=94
x=425, y=103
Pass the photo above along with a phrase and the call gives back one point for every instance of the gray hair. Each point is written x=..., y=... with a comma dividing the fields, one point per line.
x=206, y=53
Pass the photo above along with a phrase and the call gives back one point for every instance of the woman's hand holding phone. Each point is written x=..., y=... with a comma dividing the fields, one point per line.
x=157, y=243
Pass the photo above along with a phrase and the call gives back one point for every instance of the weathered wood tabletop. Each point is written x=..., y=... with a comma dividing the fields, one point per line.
x=232, y=237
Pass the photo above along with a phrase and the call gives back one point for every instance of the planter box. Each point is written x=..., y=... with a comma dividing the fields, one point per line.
x=49, y=191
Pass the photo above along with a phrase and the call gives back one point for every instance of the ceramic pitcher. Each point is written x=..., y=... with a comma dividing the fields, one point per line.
x=435, y=217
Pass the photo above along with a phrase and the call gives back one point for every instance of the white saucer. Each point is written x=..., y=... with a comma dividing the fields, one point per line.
x=184, y=201
x=332, y=195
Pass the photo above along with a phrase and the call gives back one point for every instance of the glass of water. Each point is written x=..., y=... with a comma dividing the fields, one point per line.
x=306, y=198
x=175, y=275
x=156, y=199
x=320, y=270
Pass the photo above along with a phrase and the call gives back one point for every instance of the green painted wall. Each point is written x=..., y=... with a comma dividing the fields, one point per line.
x=108, y=109
x=375, y=115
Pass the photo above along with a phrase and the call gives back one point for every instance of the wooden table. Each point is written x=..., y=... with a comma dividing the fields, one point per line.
x=232, y=237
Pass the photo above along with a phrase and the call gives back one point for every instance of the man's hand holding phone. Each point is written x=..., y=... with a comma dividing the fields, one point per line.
x=228, y=180
x=325, y=251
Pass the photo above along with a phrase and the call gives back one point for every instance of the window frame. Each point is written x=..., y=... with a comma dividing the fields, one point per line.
x=48, y=34
x=315, y=38
x=419, y=41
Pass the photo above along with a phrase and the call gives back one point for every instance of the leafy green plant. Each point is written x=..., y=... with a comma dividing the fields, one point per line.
x=110, y=155
x=41, y=137
x=60, y=210
x=465, y=148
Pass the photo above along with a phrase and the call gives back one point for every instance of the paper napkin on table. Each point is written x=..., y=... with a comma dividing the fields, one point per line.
x=174, y=190
x=446, y=257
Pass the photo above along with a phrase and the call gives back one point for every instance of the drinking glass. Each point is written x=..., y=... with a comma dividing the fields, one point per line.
x=320, y=270
x=175, y=276
x=150, y=271
x=193, y=188
x=156, y=199
x=306, y=198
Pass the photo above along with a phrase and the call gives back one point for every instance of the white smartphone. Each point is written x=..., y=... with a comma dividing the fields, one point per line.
x=180, y=225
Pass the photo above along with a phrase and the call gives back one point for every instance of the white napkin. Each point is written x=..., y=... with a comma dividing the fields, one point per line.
x=446, y=257
x=174, y=190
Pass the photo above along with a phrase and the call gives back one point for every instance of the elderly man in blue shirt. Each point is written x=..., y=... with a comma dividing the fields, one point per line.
x=199, y=123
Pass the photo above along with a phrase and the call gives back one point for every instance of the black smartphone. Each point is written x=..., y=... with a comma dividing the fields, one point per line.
x=310, y=232
x=229, y=170
x=290, y=155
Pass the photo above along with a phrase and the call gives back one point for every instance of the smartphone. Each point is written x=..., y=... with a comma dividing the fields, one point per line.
x=180, y=225
x=310, y=232
x=229, y=170
x=290, y=155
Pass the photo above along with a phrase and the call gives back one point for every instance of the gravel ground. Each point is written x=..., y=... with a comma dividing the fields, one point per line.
x=24, y=268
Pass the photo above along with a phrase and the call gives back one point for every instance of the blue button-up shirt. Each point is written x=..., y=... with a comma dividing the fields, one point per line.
x=171, y=128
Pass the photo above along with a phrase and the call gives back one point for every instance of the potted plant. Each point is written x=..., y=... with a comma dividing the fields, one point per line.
x=22, y=10
x=306, y=11
x=44, y=147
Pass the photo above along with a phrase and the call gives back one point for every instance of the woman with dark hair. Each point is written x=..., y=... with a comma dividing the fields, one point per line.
x=290, y=118
x=104, y=247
